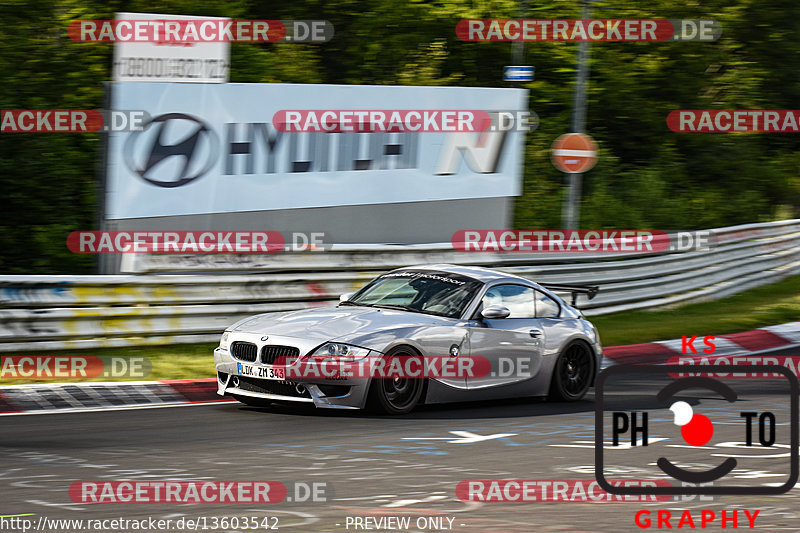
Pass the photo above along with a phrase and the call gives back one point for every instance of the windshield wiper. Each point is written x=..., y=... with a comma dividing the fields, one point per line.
x=397, y=306
x=348, y=302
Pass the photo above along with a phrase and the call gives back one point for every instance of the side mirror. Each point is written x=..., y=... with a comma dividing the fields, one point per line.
x=495, y=312
x=346, y=296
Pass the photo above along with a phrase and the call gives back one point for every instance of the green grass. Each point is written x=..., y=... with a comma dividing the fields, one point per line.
x=763, y=306
x=177, y=361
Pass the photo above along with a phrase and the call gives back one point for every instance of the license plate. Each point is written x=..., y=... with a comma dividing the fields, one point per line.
x=263, y=372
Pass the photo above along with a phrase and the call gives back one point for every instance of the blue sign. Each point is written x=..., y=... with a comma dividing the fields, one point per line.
x=518, y=73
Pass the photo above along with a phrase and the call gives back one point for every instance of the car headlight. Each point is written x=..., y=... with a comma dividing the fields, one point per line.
x=223, y=341
x=342, y=351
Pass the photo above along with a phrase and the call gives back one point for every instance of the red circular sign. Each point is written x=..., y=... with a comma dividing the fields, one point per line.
x=574, y=153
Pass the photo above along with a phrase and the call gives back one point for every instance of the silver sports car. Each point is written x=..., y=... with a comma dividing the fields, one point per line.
x=471, y=333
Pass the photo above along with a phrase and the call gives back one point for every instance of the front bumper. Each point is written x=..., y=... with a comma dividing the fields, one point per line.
x=332, y=393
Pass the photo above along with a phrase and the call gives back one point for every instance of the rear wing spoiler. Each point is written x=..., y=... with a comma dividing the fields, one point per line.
x=589, y=290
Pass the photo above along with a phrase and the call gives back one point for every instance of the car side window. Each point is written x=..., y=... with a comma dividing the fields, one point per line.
x=546, y=307
x=517, y=298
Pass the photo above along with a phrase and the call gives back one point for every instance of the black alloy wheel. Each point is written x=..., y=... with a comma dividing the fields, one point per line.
x=573, y=373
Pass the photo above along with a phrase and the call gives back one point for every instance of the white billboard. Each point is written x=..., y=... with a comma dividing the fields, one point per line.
x=194, y=62
x=213, y=149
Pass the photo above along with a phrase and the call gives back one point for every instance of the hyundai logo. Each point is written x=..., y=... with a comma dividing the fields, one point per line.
x=172, y=150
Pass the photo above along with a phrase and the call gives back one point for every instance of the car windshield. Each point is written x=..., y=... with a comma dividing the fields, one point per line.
x=430, y=292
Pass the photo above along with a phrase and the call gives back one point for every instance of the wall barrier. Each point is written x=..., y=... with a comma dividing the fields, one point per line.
x=169, y=299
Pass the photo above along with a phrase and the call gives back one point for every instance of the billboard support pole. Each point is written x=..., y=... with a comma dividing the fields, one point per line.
x=518, y=47
x=101, y=262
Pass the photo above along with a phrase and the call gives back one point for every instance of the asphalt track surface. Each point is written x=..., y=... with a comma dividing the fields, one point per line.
x=375, y=466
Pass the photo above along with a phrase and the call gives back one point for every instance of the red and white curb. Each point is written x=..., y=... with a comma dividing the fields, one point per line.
x=66, y=397
x=760, y=340
x=69, y=397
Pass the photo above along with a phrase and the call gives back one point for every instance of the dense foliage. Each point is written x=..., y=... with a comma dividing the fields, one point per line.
x=647, y=176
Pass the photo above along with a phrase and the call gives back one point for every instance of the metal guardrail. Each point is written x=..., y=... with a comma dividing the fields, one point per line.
x=151, y=306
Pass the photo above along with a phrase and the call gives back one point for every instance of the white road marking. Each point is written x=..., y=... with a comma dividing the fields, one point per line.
x=465, y=437
x=606, y=445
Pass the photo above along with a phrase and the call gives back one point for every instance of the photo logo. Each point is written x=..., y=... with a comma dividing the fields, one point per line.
x=644, y=405
x=696, y=430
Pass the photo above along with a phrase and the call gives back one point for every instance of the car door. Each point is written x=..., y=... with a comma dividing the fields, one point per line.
x=512, y=345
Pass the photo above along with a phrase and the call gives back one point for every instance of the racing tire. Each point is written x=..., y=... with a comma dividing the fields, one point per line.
x=573, y=373
x=396, y=396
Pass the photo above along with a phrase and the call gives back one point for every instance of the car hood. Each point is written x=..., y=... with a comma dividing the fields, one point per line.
x=336, y=323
